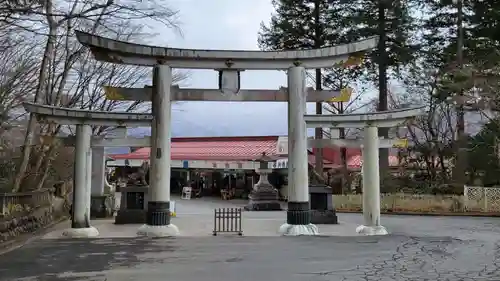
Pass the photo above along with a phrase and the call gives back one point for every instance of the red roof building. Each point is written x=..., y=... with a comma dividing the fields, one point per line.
x=214, y=148
x=241, y=149
x=354, y=158
x=333, y=154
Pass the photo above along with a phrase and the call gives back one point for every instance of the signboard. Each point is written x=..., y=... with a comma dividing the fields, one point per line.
x=282, y=146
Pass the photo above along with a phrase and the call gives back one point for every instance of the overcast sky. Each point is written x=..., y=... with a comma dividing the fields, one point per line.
x=224, y=24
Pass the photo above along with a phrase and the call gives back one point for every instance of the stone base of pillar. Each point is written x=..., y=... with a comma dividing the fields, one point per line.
x=298, y=220
x=371, y=230
x=158, y=221
x=86, y=232
x=324, y=217
x=169, y=230
x=101, y=206
x=298, y=230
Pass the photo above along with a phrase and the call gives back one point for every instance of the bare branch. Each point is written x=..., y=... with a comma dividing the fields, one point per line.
x=67, y=74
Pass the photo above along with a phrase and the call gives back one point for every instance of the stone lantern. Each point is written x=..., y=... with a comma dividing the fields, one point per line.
x=264, y=197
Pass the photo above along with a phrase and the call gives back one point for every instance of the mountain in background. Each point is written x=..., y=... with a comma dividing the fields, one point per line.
x=242, y=119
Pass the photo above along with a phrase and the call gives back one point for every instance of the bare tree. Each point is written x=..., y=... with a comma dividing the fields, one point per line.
x=55, y=23
x=431, y=136
x=17, y=78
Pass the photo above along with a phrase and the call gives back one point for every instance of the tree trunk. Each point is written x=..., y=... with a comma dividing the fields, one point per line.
x=460, y=169
x=47, y=57
x=44, y=174
x=382, y=85
x=318, y=132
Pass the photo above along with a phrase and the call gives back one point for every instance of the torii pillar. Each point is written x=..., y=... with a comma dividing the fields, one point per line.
x=298, y=215
x=371, y=184
x=80, y=215
x=158, y=222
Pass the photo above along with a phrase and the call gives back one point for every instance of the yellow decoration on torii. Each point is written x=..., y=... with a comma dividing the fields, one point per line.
x=353, y=61
x=112, y=93
x=345, y=96
x=401, y=143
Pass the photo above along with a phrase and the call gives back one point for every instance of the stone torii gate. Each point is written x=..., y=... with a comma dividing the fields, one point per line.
x=229, y=64
x=261, y=199
x=94, y=168
x=83, y=119
x=370, y=122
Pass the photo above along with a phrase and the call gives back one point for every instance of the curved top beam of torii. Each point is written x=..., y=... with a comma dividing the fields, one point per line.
x=73, y=116
x=110, y=50
x=378, y=119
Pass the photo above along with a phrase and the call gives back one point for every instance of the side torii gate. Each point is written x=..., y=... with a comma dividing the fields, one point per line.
x=370, y=122
x=83, y=119
x=229, y=64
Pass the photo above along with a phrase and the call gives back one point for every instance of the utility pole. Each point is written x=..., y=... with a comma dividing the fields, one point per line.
x=459, y=175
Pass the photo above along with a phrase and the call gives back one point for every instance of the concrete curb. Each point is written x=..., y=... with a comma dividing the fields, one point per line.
x=27, y=238
x=444, y=214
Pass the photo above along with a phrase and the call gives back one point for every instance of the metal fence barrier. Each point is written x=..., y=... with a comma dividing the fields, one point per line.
x=21, y=201
x=227, y=220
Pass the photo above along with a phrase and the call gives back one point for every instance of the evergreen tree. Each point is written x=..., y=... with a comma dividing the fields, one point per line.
x=393, y=22
x=308, y=24
x=481, y=24
x=483, y=154
x=481, y=27
x=440, y=38
x=485, y=25
x=295, y=25
x=466, y=72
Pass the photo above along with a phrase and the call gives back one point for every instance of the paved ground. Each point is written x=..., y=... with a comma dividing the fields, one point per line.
x=420, y=248
x=255, y=258
x=195, y=219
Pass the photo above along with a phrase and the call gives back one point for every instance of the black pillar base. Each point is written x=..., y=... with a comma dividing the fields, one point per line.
x=158, y=213
x=298, y=213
